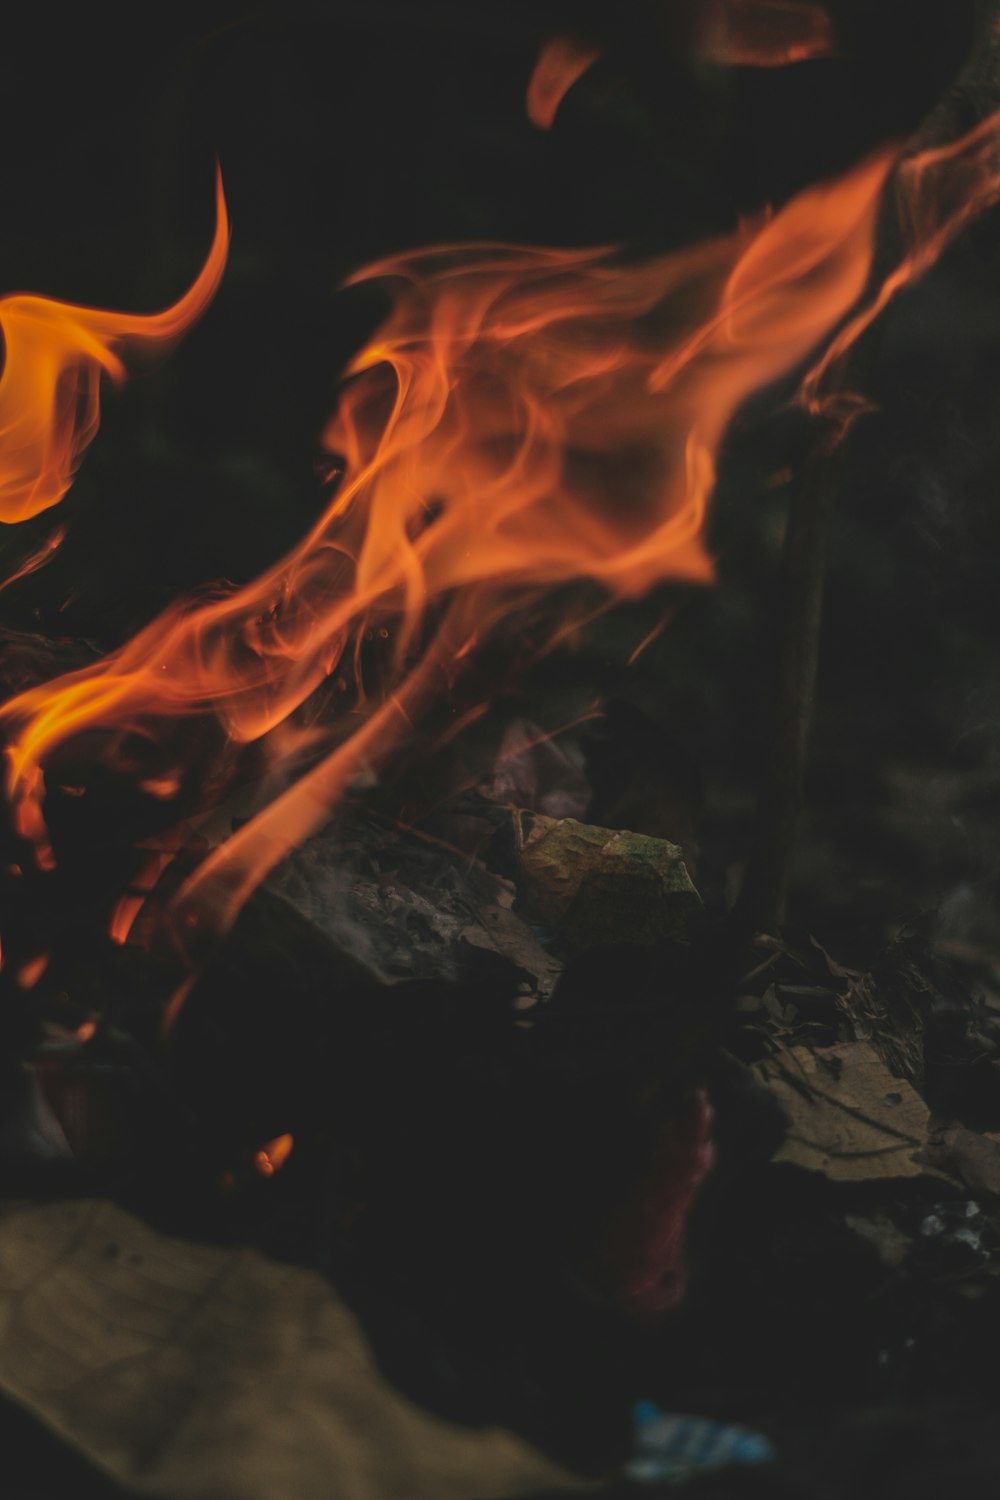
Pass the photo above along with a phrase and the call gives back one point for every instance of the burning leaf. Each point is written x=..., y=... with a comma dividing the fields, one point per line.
x=189, y=1371
x=601, y=886
x=848, y=1117
x=562, y=60
x=55, y=354
x=765, y=33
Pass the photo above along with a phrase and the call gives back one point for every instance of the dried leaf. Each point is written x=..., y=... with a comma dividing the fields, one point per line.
x=197, y=1373
x=889, y=1011
x=599, y=885
x=970, y=1156
x=848, y=1117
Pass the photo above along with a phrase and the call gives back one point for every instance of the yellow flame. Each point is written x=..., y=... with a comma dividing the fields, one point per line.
x=55, y=355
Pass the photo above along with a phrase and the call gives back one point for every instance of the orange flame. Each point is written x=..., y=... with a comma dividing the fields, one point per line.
x=526, y=418
x=765, y=33
x=131, y=903
x=272, y=1157
x=36, y=559
x=562, y=60
x=939, y=191
x=50, y=386
x=31, y=972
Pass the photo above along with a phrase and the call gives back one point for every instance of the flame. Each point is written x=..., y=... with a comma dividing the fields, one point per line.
x=55, y=354
x=939, y=190
x=32, y=970
x=765, y=33
x=36, y=559
x=525, y=419
x=272, y=1156
x=562, y=60
x=145, y=881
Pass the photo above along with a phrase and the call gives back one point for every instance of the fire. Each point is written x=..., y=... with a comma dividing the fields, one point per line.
x=939, y=190
x=562, y=60
x=728, y=33
x=55, y=354
x=764, y=33
x=525, y=419
x=145, y=881
x=272, y=1156
x=36, y=559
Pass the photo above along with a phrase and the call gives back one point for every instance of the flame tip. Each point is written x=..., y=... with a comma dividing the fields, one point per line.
x=56, y=353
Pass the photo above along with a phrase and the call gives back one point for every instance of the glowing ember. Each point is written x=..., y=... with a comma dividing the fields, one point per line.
x=55, y=354
x=562, y=60
x=272, y=1157
x=764, y=33
x=31, y=972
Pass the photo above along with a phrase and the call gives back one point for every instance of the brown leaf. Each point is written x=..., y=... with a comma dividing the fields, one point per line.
x=848, y=1117
x=973, y=1158
x=197, y=1373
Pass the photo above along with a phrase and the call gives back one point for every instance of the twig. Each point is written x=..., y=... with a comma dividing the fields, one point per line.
x=762, y=900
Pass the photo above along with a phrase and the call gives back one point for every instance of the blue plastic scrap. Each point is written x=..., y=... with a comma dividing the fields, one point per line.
x=671, y=1446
